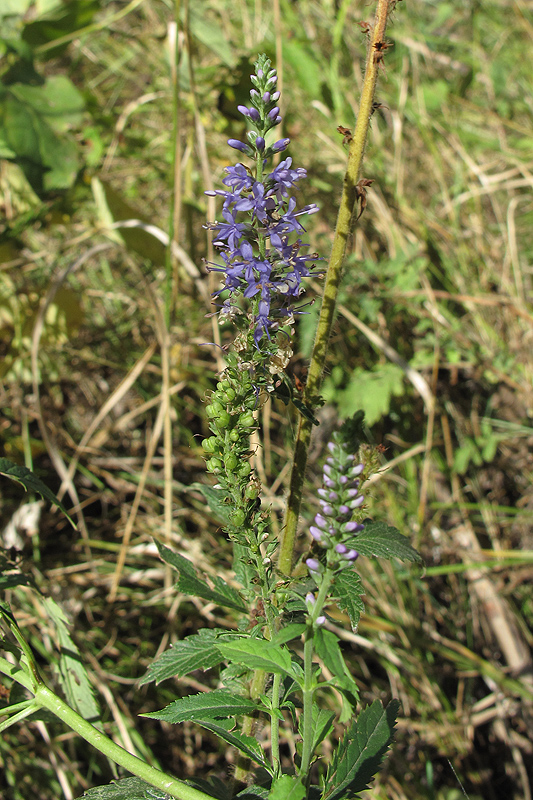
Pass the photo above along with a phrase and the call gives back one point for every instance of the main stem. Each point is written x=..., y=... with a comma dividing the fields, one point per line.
x=331, y=287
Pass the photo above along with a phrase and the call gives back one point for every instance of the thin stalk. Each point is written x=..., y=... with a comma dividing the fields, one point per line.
x=333, y=277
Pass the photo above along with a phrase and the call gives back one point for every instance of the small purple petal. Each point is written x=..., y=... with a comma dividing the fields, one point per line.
x=316, y=533
x=351, y=555
x=321, y=522
x=341, y=549
x=357, y=502
x=353, y=527
x=344, y=509
x=310, y=599
x=260, y=143
x=313, y=565
x=321, y=620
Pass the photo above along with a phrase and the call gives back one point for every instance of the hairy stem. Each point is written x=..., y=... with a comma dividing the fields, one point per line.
x=333, y=277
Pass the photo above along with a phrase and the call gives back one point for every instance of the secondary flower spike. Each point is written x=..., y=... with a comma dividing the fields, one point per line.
x=259, y=237
x=333, y=528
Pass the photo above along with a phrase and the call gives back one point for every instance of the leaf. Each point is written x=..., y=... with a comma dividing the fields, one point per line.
x=322, y=725
x=328, y=649
x=195, y=652
x=190, y=582
x=258, y=654
x=125, y=789
x=31, y=483
x=292, y=631
x=246, y=744
x=73, y=675
x=370, y=392
x=206, y=705
x=215, y=500
x=382, y=540
x=287, y=787
x=347, y=591
x=359, y=754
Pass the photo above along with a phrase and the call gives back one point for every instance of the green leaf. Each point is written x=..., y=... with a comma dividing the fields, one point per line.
x=382, y=540
x=72, y=672
x=322, y=725
x=289, y=632
x=190, y=582
x=125, y=789
x=207, y=705
x=195, y=652
x=287, y=787
x=246, y=744
x=31, y=483
x=215, y=500
x=327, y=648
x=347, y=591
x=257, y=654
x=368, y=391
x=360, y=753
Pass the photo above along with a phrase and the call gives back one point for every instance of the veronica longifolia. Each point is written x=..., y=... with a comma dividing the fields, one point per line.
x=259, y=237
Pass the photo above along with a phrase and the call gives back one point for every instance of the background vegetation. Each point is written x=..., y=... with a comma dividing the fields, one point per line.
x=433, y=339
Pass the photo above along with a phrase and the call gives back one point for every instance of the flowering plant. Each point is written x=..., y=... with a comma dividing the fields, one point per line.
x=271, y=660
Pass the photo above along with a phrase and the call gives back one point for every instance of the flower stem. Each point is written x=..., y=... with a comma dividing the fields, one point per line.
x=333, y=277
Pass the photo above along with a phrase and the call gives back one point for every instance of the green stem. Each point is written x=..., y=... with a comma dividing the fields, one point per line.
x=47, y=699
x=333, y=277
x=274, y=724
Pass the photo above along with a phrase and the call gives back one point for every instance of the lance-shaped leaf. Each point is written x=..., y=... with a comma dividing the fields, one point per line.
x=257, y=654
x=192, y=583
x=384, y=541
x=206, y=705
x=359, y=754
x=246, y=744
x=195, y=652
x=347, y=591
x=31, y=483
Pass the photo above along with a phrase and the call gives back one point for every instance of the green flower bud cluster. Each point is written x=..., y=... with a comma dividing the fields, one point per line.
x=231, y=420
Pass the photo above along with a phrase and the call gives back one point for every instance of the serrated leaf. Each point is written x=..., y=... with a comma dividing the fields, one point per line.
x=204, y=706
x=73, y=675
x=289, y=632
x=31, y=483
x=360, y=753
x=125, y=789
x=246, y=744
x=253, y=793
x=195, y=652
x=257, y=654
x=190, y=582
x=287, y=787
x=382, y=540
x=347, y=591
x=322, y=725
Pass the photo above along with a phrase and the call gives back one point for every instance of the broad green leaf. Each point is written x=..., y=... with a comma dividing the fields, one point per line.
x=382, y=540
x=287, y=787
x=322, y=725
x=125, y=789
x=370, y=392
x=207, y=705
x=57, y=101
x=348, y=590
x=257, y=654
x=72, y=672
x=194, y=652
x=360, y=753
x=31, y=483
x=190, y=582
x=253, y=793
x=246, y=744
x=289, y=632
